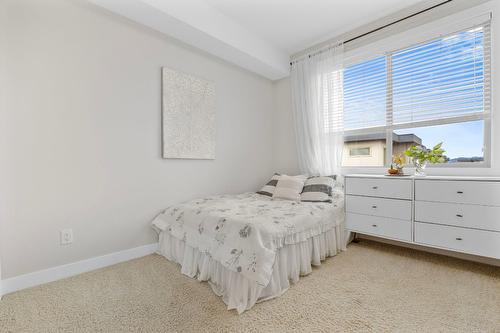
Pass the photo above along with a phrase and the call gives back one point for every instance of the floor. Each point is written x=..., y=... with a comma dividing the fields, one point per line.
x=370, y=288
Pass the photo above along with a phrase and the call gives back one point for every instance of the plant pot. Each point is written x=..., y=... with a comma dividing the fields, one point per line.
x=420, y=168
x=393, y=171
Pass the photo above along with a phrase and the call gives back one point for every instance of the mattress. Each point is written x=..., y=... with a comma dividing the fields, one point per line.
x=249, y=246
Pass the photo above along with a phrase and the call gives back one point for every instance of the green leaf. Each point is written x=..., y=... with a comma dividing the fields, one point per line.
x=434, y=155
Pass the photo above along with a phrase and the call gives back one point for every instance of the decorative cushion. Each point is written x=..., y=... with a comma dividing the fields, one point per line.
x=289, y=187
x=318, y=189
x=268, y=189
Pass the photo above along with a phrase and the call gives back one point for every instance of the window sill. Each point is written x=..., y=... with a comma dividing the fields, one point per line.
x=463, y=165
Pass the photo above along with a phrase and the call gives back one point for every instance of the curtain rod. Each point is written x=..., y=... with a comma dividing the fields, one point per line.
x=387, y=25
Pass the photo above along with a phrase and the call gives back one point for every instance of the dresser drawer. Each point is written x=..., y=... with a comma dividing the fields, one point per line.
x=468, y=192
x=387, y=188
x=460, y=215
x=379, y=226
x=394, y=208
x=478, y=242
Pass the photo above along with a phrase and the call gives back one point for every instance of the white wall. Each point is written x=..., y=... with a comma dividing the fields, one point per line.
x=3, y=18
x=283, y=108
x=284, y=147
x=80, y=132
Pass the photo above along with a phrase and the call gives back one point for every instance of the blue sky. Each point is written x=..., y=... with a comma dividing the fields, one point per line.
x=460, y=139
x=443, y=77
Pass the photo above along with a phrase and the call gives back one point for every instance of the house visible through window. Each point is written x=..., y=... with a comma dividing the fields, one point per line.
x=437, y=91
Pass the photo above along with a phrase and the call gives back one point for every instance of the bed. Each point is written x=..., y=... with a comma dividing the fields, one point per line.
x=250, y=247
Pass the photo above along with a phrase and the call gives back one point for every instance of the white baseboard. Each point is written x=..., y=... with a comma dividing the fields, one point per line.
x=60, y=272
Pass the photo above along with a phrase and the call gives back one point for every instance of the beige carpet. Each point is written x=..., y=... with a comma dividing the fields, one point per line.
x=371, y=287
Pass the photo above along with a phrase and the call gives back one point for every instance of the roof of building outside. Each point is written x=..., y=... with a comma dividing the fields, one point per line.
x=401, y=138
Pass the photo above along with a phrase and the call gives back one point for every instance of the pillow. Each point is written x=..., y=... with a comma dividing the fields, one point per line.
x=318, y=189
x=289, y=187
x=268, y=189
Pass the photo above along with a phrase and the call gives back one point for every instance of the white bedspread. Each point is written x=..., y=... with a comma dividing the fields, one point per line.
x=243, y=232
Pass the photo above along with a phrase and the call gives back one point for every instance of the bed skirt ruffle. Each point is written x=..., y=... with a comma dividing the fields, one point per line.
x=292, y=261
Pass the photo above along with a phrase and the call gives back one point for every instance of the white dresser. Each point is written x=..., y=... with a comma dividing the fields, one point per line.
x=453, y=213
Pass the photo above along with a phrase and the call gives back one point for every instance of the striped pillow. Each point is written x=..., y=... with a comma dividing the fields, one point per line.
x=268, y=189
x=289, y=187
x=318, y=189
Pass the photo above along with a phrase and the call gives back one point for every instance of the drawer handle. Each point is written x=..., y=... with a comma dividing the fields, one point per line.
x=460, y=192
x=374, y=187
x=460, y=215
x=459, y=238
x=374, y=207
x=374, y=225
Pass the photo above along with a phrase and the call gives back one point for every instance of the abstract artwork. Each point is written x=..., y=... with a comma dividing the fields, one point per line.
x=188, y=110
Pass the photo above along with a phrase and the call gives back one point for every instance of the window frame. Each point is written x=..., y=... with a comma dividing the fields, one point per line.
x=485, y=116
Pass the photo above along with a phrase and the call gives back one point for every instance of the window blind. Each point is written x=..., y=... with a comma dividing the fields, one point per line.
x=442, y=79
x=332, y=101
x=365, y=94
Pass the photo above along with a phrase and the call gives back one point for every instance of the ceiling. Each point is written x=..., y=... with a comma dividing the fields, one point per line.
x=258, y=35
x=294, y=25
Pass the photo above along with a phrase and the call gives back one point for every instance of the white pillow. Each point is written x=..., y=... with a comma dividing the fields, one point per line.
x=289, y=187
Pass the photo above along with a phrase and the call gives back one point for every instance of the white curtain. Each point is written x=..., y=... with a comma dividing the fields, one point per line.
x=317, y=104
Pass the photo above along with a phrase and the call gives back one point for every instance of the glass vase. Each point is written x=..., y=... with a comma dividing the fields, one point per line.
x=420, y=168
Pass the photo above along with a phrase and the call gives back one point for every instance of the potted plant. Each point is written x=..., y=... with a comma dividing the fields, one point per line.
x=421, y=156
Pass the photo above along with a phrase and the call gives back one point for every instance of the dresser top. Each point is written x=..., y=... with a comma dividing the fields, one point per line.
x=477, y=178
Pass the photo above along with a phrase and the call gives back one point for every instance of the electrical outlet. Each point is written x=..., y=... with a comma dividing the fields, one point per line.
x=66, y=236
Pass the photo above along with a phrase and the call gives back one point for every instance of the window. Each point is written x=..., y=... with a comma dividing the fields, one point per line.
x=365, y=94
x=468, y=140
x=437, y=91
x=365, y=151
